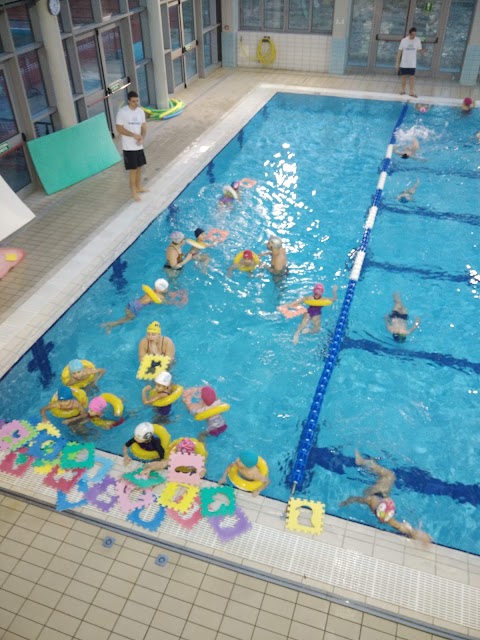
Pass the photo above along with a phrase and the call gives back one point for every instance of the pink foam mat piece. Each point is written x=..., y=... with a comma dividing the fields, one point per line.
x=16, y=463
x=11, y=433
x=62, y=479
x=190, y=518
x=125, y=501
x=192, y=461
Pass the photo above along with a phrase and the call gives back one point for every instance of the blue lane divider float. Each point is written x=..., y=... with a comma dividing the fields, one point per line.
x=309, y=430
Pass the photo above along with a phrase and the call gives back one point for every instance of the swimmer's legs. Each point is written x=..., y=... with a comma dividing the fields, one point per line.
x=301, y=327
x=398, y=304
x=316, y=325
x=386, y=478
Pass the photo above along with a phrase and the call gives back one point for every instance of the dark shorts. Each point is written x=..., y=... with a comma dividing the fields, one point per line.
x=406, y=71
x=134, y=159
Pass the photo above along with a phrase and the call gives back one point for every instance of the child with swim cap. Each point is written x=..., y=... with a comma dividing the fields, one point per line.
x=231, y=193
x=467, y=105
x=247, y=467
x=246, y=262
x=135, y=306
x=78, y=372
x=65, y=401
x=147, y=440
x=313, y=315
x=96, y=409
x=278, y=255
x=198, y=399
x=163, y=388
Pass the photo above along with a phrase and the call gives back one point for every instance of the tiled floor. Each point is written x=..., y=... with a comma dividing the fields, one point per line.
x=66, y=224
x=58, y=582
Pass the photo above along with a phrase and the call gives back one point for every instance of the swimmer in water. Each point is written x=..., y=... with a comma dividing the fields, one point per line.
x=246, y=263
x=407, y=195
x=135, y=306
x=77, y=372
x=396, y=321
x=406, y=151
x=154, y=344
x=278, y=265
x=247, y=467
x=467, y=105
x=377, y=498
x=231, y=193
x=314, y=313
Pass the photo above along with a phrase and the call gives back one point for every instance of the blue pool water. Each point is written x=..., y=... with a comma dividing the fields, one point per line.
x=413, y=406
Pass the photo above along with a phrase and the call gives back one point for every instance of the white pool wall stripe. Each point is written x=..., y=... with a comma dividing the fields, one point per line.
x=389, y=151
x=372, y=214
x=381, y=182
x=357, y=266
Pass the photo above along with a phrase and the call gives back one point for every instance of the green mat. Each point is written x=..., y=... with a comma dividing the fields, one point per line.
x=68, y=156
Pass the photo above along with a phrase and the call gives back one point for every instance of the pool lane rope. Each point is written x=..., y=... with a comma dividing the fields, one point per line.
x=309, y=430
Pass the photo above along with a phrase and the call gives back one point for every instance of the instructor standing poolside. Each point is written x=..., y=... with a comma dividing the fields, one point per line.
x=406, y=62
x=132, y=126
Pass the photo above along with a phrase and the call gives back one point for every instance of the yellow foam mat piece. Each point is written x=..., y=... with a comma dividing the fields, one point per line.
x=167, y=497
x=45, y=468
x=49, y=428
x=294, y=507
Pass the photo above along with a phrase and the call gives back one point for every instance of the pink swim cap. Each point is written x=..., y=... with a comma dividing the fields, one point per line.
x=97, y=404
x=468, y=102
x=186, y=446
x=247, y=255
x=385, y=510
x=208, y=395
x=423, y=109
x=319, y=288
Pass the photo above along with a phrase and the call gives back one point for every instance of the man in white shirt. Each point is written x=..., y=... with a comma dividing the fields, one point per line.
x=132, y=126
x=406, y=61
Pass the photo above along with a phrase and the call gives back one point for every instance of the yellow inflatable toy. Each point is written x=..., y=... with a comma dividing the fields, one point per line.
x=117, y=406
x=80, y=395
x=143, y=454
x=81, y=383
x=153, y=295
x=248, y=485
x=212, y=411
x=196, y=244
x=313, y=302
x=177, y=391
x=239, y=257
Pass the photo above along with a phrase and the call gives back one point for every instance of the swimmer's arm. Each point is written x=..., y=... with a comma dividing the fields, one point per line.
x=142, y=349
x=43, y=410
x=126, y=457
x=98, y=373
x=354, y=499
x=388, y=325
x=145, y=398
x=415, y=325
x=334, y=298
x=231, y=268
x=223, y=479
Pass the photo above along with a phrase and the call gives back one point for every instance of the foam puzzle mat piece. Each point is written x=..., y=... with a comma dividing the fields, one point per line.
x=208, y=496
x=185, y=468
x=190, y=518
x=229, y=527
x=141, y=479
x=100, y=489
x=170, y=499
x=45, y=447
x=138, y=517
x=65, y=502
x=294, y=508
x=125, y=500
x=63, y=479
x=15, y=434
x=16, y=463
x=104, y=466
x=76, y=455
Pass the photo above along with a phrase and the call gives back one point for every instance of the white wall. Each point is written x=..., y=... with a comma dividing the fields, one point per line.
x=295, y=52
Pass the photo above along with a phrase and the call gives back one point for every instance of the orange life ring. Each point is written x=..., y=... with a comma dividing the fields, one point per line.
x=217, y=235
x=247, y=183
x=178, y=298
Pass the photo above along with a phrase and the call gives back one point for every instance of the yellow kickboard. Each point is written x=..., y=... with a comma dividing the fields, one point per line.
x=294, y=507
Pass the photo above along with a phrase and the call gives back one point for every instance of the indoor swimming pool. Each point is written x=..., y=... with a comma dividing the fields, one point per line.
x=315, y=161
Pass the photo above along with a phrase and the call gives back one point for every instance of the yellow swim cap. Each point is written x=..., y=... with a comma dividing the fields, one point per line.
x=154, y=327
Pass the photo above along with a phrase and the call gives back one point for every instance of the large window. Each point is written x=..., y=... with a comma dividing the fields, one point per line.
x=20, y=25
x=302, y=16
x=33, y=81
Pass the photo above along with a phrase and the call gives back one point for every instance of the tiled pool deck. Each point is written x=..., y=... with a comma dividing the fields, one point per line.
x=65, y=254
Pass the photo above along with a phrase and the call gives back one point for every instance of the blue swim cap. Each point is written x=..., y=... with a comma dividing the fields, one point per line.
x=64, y=393
x=248, y=458
x=75, y=365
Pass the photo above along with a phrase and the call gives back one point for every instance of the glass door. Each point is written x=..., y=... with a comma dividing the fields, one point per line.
x=183, y=42
x=13, y=163
x=377, y=27
x=102, y=70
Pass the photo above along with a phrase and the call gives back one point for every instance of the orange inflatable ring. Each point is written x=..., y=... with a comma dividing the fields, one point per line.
x=247, y=183
x=217, y=235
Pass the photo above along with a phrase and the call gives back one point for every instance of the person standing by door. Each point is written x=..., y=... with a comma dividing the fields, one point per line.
x=406, y=62
x=132, y=126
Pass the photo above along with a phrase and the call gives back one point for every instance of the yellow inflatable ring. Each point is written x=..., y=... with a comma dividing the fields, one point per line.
x=177, y=391
x=213, y=411
x=117, y=406
x=78, y=394
x=196, y=244
x=248, y=485
x=230, y=192
x=199, y=446
x=148, y=360
x=154, y=297
x=239, y=256
x=142, y=454
x=66, y=375
x=247, y=183
x=313, y=302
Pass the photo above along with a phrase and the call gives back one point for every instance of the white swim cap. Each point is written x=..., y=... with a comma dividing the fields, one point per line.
x=177, y=237
x=161, y=285
x=164, y=378
x=143, y=432
x=275, y=242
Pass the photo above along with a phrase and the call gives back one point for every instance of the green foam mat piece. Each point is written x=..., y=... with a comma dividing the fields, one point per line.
x=68, y=156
